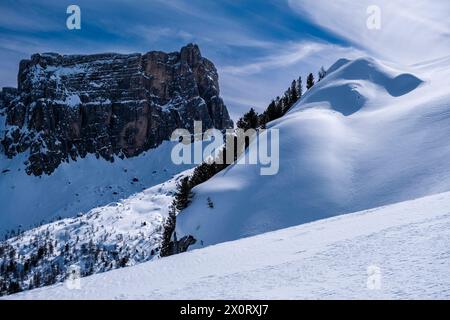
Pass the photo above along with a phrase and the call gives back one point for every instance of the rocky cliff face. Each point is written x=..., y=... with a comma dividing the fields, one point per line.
x=6, y=96
x=107, y=104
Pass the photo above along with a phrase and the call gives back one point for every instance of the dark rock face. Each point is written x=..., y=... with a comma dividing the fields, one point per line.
x=6, y=96
x=107, y=104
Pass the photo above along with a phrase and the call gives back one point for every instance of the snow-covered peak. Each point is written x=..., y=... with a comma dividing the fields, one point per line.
x=339, y=63
x=350, y=84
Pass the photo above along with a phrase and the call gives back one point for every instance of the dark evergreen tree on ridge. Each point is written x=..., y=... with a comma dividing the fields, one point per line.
x=322, y=73
x=299, y=87
x=310, y=81
x=273, y=111
x=183, y=195
x=249, y=120
x=294, y=92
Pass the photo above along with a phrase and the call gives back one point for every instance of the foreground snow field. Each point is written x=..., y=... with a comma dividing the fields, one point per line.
x=408, y=243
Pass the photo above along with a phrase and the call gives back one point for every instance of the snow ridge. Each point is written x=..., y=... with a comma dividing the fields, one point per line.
x=368, y=134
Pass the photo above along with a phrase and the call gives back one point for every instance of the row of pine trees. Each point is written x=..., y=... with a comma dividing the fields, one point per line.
x=251, y=120
x=280, y=105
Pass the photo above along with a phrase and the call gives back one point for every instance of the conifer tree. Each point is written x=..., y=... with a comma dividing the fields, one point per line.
x=288, y=95
x=299, y=87
x=322, y=73
x=183, y=194
x=273, y=111
x=262, y=120
x=249, y=120
x=294, y=92
x=286, y=100
x=202, y=173
x=169, y=227
x=310, y=81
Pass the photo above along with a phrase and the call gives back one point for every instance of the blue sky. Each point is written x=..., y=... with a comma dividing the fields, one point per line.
x=258, y=46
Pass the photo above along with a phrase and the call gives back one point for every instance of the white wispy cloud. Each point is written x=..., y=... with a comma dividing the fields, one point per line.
x=411, y=31
x=258, y=49
x=285, y=58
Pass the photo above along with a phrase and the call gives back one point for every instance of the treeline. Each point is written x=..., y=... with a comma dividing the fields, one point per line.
x=279, y=106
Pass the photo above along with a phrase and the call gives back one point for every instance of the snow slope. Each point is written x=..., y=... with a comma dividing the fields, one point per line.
x=367, y=135
x=135, y=222
x=123, y=233
x=395, y=252
x=77, y=187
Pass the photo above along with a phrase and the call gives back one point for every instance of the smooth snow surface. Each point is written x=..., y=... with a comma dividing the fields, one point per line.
x=407, y=244
x=369, y=134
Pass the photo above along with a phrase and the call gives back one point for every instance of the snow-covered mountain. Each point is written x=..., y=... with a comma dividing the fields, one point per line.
x=120, y=234
x=367, y=135
x=81, y=131
x=394, y=252
x=82, y=139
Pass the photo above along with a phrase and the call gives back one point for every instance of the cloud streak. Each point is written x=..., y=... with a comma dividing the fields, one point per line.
x=411, y=31
x=287, y=57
